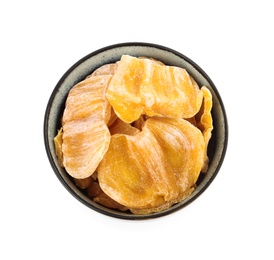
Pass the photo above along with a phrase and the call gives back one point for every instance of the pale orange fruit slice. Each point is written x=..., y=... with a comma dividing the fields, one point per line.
x=155, y=168
x=143, y=86
x=107, y=69
x=86, y=136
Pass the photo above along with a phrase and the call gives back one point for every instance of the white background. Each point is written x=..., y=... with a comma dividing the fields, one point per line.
x=231, y=40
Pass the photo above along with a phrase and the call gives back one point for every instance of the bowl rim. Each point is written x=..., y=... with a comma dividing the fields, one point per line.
x=132, y=216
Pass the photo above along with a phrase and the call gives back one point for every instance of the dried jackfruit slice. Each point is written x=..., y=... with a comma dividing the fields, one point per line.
x=205, y=122
x=107, y=69
x=87, y=99
x=155, y=168
x=143, y=86
x=86, y=136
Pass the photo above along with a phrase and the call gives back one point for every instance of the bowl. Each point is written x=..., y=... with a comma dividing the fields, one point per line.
x=84, y=67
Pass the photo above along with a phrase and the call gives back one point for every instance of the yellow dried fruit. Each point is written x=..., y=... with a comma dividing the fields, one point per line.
x=85, y=133
x=143, y=86
x=107, y=69
x=155, y=167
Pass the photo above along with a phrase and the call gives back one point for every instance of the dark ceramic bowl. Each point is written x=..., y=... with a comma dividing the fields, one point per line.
x=84, y=67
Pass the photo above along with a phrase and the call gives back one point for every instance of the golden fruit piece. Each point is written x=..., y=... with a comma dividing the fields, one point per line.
x=143, y=86
x=155, y=168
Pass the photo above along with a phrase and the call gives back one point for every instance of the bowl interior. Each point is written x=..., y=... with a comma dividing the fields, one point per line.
x=110, y=54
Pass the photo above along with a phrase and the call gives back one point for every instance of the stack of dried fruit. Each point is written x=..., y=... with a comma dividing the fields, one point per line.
x=135, y=133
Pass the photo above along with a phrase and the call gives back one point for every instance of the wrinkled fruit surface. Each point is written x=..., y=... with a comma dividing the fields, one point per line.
x=155, y=166
x=85, y=133
x=143, y=86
